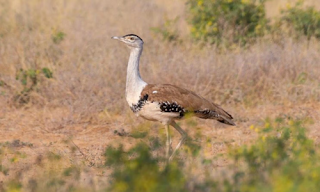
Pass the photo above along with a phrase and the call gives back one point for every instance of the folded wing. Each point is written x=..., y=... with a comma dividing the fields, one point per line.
x=189, y=101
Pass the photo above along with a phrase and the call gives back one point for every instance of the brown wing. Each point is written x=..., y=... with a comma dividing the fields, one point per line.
x=189, y=100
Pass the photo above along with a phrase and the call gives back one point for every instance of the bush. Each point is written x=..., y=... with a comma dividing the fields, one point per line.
x=227, y=22
x=30, y=79
x=137, y=170
x=302, y=21
x=282, y=159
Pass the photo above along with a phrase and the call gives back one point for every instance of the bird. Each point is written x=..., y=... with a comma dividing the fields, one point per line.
x=164, y=103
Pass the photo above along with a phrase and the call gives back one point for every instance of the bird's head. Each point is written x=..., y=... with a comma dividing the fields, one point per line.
x=131, y=40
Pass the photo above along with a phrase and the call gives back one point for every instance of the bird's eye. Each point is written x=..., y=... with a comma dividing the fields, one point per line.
x=131, y=38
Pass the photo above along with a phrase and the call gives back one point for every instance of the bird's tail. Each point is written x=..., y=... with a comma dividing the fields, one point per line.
x=219, y=115
x=226, y=120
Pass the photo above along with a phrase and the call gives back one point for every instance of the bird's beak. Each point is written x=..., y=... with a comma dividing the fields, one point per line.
x=117, y=38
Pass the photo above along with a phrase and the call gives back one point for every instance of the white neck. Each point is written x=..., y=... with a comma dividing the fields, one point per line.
x=134, y=83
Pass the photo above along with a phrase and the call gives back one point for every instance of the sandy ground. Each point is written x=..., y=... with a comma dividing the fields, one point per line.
x=29, y=132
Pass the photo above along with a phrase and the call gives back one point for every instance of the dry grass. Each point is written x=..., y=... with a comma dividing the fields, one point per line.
x=75, y=113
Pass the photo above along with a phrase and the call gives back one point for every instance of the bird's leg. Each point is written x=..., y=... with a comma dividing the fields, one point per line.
x=168, y=142
x=183, y=138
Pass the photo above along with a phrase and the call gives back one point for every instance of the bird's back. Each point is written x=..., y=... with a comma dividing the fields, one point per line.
x=175, y=100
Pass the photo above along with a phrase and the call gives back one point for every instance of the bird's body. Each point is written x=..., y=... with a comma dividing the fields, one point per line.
x=164, y=102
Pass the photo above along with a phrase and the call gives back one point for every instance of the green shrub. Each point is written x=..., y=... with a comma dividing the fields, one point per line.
x=29, y=80
x=302, y=21
x=58, y=37
x=137, y=170
x=282, y=159
x=227, y=22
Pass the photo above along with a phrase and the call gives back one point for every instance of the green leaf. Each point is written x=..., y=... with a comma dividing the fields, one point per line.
x=47, y=72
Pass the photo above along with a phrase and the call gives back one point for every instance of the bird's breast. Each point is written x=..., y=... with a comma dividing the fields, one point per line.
x=153, y=112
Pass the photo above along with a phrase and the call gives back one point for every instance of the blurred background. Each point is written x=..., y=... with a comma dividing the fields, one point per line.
x=65, y=124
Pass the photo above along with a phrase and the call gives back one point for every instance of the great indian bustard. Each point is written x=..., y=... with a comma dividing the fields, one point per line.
x=164, y=102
